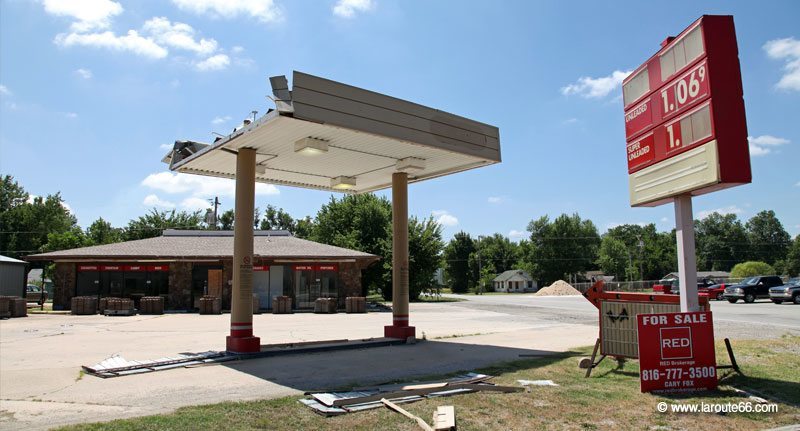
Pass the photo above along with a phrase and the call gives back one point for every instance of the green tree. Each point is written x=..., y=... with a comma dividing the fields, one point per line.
x=652, y=253
x=153, y=223
x=304, y=227
x=496, y=252
x=25, y=223
x=791, y=265
x=226, y=220
x=101, y=232
x=751, y=268
x=769, y=241
x=424, y=257
x=460, y=277
x=66, y=240
x=359, y=222
x=567, y=245
x=613, y=257
x=721, y=242
x=277, y=219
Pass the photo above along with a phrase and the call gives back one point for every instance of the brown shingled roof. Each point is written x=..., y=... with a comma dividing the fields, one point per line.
x=205, y=247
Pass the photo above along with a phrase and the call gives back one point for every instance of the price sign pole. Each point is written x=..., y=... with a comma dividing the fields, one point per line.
x=687, y=260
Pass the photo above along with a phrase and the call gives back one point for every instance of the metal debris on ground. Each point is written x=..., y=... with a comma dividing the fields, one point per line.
x=117, y=366
x=339, y=403
x=536, y=383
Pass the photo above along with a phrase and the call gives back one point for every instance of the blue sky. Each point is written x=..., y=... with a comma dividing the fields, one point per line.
x=92, y=91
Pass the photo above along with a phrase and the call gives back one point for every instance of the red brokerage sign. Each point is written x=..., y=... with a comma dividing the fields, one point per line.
x=687, y=95
x=676, y=352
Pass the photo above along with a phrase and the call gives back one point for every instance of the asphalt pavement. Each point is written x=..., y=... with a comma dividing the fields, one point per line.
x=736, y=321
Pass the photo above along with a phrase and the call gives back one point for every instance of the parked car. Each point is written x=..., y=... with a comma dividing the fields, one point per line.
x=35, y=294
x=789, y=292
x=752, y=288
x=705, y=286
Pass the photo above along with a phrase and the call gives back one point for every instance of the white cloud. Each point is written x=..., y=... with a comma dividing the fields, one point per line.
x=237, y=49
x=664, y=220
x=166, y=147
x=84, y=73
x=569, y=121
x=70, y=115
x=349, y=8
x=155, y=201
x=194, y=204
x=787, y=49
x=178, y=35
x=496, y=199
x=798, y=184
x=517, y=234
x=217, y=62
x=131, y=42
x=90, y=14
x=263, y=10
x=444, y=218
x=732, y=209
x=199, y=186
x=220, y=120
x=4, y=90
x=762, y=145
x=595, y=88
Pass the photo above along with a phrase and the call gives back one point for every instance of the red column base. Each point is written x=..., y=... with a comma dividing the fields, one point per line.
x=401, y=332
x=243, y=344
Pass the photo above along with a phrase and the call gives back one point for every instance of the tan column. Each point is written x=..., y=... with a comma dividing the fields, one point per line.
x=241, y=339
x=400, y=317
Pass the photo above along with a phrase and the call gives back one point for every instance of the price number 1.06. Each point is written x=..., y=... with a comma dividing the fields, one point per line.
x=685, y=91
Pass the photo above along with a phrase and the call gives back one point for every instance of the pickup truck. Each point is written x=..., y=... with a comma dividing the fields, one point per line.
x=789, y=292
x=752, y=288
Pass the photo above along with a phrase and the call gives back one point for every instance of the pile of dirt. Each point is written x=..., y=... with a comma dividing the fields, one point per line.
x=559, y=288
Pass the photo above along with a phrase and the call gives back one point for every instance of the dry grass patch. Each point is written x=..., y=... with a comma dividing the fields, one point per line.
x=610, y=399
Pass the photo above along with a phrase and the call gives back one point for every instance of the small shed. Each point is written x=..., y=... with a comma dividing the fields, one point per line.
x=514, y=280
x=12, y=277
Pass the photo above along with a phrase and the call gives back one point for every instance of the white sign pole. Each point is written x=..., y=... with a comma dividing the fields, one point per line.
x=687, y=261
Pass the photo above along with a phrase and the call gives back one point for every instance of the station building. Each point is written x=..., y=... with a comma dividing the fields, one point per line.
x=184, y=265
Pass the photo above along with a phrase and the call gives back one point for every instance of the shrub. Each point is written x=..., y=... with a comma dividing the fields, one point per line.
x=751, y=268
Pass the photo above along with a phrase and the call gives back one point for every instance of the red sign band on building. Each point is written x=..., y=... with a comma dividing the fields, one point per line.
x=676, y=352
x=158, y=267
x=261, y=268
x=126, y=268
x=88, y=268
x=322, y=267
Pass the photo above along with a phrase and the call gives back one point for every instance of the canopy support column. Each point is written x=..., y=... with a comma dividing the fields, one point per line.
x=241, y=339
x=399, y=327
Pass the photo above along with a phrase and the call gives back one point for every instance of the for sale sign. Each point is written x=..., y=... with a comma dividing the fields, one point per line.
x=676, y=352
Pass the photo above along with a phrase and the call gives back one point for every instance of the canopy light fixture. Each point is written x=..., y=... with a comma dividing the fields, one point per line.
x=310, y=146
x=343, y=183
x=261, y=169
x=410, y=164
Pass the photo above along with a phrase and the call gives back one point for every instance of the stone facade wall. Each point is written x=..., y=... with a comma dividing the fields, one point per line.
x=180, y=286
x=350, y=279
x=64, y=279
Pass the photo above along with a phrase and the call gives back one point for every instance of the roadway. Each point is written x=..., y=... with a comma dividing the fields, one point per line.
x=740, y=320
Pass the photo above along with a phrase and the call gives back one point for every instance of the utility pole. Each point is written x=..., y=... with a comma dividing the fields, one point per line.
x=216, y=204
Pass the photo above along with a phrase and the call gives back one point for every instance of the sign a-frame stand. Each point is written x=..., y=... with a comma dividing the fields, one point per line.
x=330, y=136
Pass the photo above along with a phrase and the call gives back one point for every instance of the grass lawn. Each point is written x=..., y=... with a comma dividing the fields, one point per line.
x=610, y=399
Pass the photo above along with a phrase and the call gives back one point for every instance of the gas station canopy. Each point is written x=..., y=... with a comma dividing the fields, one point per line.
x=330, y=136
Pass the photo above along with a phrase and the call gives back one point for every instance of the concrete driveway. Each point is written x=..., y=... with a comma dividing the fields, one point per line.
x=40, y=357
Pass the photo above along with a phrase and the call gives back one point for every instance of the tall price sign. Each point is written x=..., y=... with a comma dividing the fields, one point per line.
x=685, y=124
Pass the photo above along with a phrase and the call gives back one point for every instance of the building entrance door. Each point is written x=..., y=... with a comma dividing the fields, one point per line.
x=261, y=288
x=215, y=283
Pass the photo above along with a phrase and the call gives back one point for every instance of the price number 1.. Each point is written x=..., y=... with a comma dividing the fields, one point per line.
x=685, y=90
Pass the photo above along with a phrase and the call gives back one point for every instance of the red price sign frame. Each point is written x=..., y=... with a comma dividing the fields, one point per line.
x=700, y=67
x=676, y=352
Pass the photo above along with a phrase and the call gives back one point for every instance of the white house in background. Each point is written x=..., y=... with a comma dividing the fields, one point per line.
x=514, y=280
